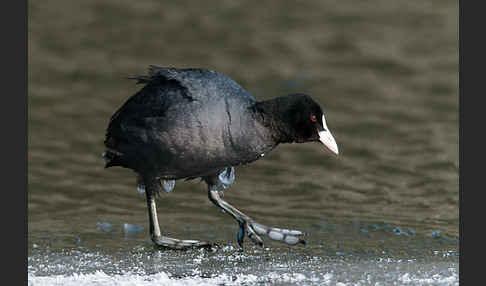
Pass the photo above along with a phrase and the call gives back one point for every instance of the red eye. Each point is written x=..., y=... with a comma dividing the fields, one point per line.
x=313, y=118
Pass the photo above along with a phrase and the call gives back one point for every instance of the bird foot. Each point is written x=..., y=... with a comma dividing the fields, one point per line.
x=254, y=230
x=172, y=243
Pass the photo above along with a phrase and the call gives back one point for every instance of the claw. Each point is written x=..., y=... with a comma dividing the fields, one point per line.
x=247, y=226
x=290, y=232
x=177, y=244
x=247, y=229
x=241, y=234
x=253, y=236
x=254, y=230
x=288, y=236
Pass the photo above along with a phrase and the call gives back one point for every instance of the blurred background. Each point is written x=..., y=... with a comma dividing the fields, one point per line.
x=385, y=73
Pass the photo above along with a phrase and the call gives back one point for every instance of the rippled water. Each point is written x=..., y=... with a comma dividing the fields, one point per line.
x=384, y=212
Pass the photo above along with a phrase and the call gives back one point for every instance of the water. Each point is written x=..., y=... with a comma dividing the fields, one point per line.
x=384, y=212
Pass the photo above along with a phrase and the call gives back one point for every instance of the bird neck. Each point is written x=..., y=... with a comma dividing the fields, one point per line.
x=272, y=114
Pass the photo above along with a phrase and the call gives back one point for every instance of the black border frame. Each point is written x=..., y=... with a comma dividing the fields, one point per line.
x=13, y=123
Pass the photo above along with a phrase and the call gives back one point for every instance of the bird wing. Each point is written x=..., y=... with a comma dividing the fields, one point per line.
x=167, y=88
x=197, y=83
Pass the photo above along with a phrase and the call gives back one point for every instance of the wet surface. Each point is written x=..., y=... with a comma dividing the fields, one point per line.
x=384, y=212
x=351, y=254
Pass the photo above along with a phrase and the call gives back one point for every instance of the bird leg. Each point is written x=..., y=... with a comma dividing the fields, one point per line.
x=164, y=241
x=249, y=227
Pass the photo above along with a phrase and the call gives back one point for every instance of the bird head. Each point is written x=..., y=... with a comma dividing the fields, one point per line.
x=306, y=122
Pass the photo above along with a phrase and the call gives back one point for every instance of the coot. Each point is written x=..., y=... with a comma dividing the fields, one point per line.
x=198, y=123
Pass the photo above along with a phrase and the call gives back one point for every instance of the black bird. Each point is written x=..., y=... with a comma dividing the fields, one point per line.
x=198, y=123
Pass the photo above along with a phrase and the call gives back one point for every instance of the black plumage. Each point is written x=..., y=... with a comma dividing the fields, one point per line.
x=190, y=123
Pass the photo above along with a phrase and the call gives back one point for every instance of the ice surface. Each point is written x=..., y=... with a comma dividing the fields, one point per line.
x=161, y=278
x=228, y=266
